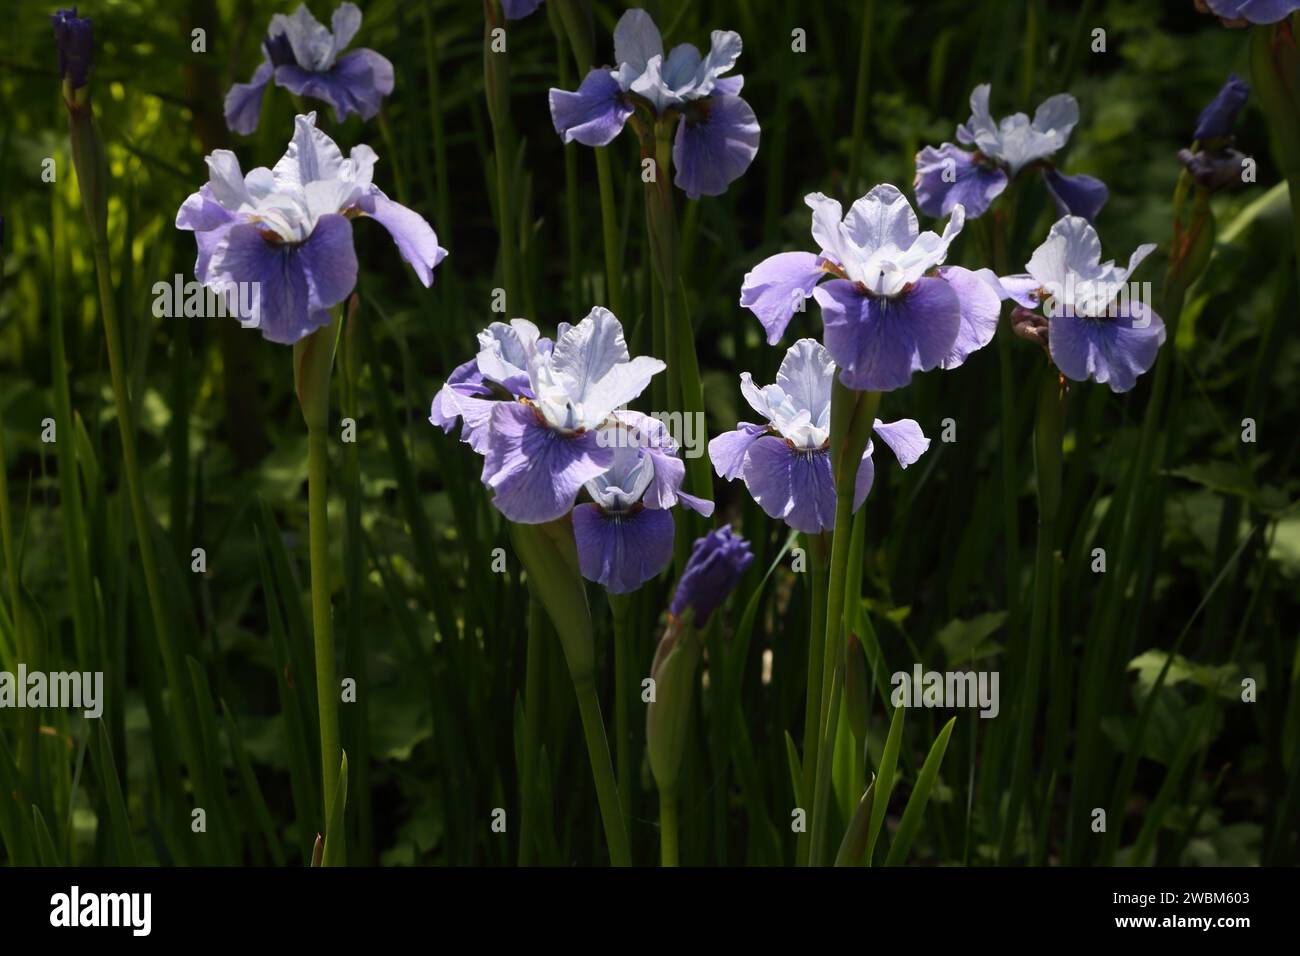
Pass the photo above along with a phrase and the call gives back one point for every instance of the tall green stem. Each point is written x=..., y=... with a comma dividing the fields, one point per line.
x=496, y=72
x=177, y=677
x=602, y=770
x=852, y=415
x=618, y=604
x=321, y=613
x=1048, y=427
x=815, y=546
x=535, y=673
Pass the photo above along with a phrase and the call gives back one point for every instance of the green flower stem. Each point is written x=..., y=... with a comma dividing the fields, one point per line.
x=576, y=18
x=535, y=674
x=313, y=359
x=178, y=679
x=27, y=718
x=618, y=604
x=677, y=334
x=550, y=558
x=668, y=827
x=611, y=810
x=496, y=73
x=815, y=546
x=852, y=414
x=1000, y=227
x=860, y=94
x=1048, y=433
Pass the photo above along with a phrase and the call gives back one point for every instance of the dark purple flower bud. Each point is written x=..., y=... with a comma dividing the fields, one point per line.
x=1214, y=170
x=717, y=561
x=1217, y=119
x=75, y=38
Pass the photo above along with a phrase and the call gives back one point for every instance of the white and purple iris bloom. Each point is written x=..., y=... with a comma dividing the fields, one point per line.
x=785, y=462
x=499, y=372
x=1250, y=11
x=1098, y=326
x=717, y=133
x=625, y=534
x=276, y=244
x=547, y=417
x=892, y=308
x=305, y=57
x=950, y=176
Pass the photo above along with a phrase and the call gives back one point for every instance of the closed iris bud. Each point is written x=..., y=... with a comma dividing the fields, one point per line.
x=669, y=713
x=74, y=38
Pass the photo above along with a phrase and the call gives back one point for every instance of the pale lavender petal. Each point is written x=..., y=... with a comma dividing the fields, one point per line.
x=778, y=286
x=1020, y=289
x=329, y=261
x=795, y=487
x=727, y=451
x=622, y=551
x=879, y=342
x=415, y=238
x=243, y=106
x=980, y=308
x=594, y=114
x=716, y=141
x=949, y=175
x=1113, y=351
x=904, y=438
x=278, y=306
x=535, y=471
x=636, y=40
x=1076, y=195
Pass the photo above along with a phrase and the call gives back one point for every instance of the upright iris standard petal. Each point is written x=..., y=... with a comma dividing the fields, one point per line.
x=717, y=139
x=1218, y=119
x=1078, y=195
x=777, y=287
x=622, y=551
x=306, y=58
x=536, y=471
x=594, y=114
x=879, y=342
x=717, y=562
x=950, y=176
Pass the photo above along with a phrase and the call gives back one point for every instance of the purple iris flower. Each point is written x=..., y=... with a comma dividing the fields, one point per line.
x=518, y=9
x=302, y=55
x=1217, y=120
x=75, y=38
x=786, y=462
x=717, y=562
x=891, y=309
x=276, y=244
x=499, y=372
x=1251, y=11
x=949, y=176
x=625, y=534
x=717, y=134
x=540, y=450
x=1097, y=327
